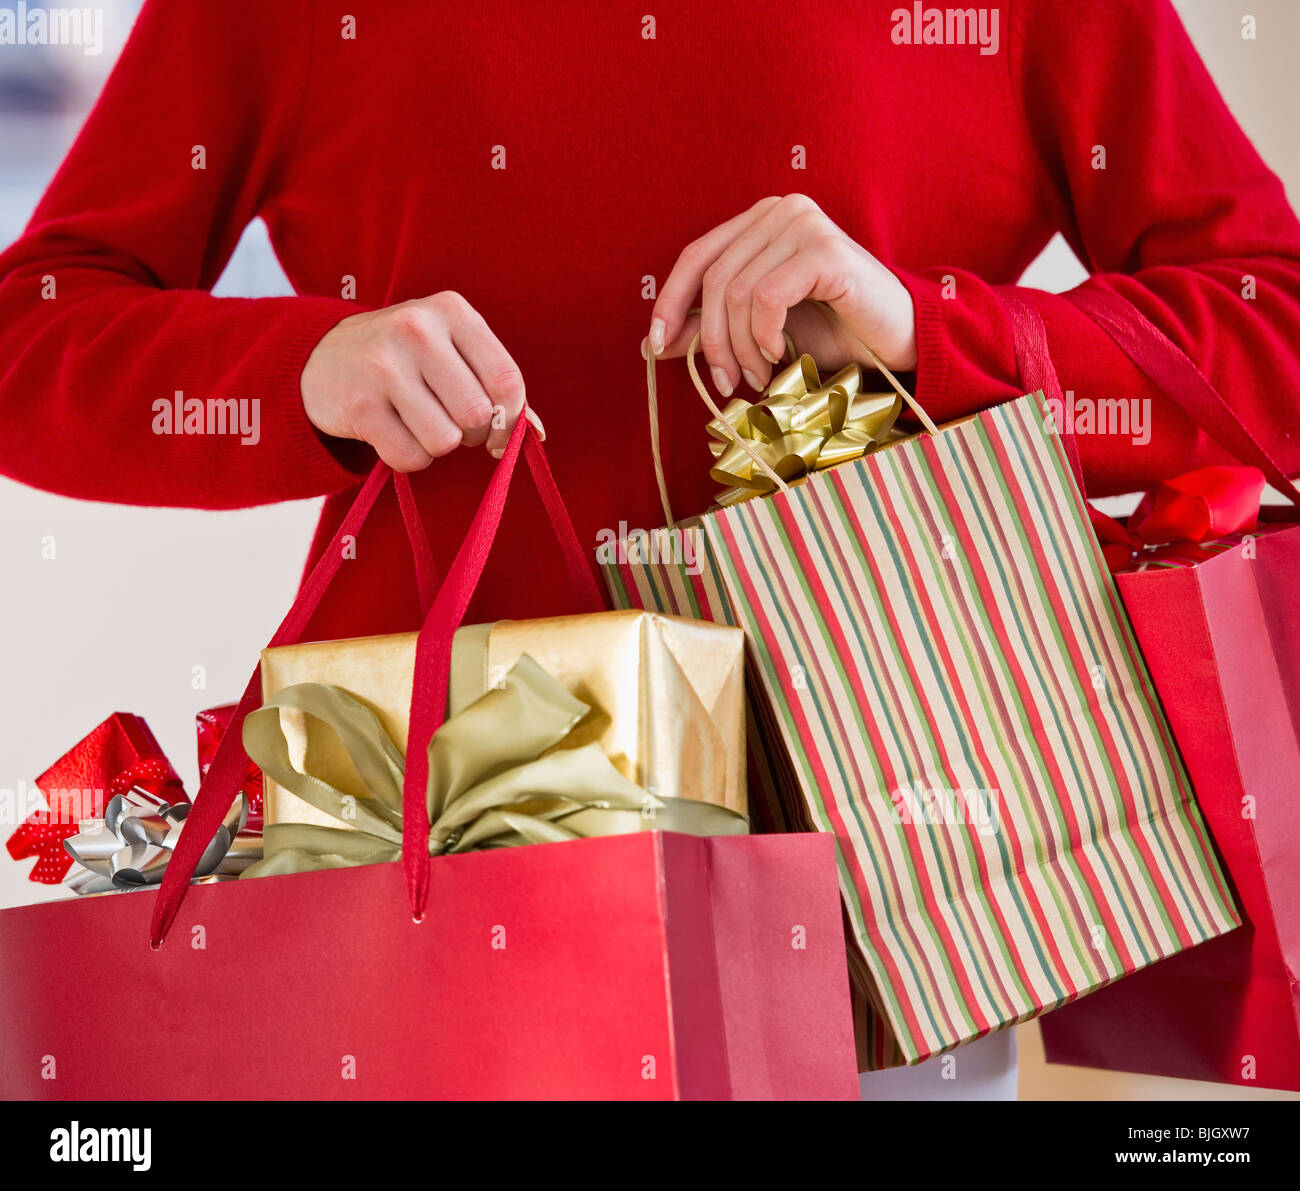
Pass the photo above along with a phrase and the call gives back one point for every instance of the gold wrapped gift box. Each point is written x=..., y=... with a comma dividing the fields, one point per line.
x=666, y=696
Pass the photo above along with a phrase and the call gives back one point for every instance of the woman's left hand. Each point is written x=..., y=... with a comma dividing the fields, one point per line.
x=757, y=272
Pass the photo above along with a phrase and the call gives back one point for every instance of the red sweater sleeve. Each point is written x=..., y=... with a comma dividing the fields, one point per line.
x=1182, y=216
x=104, y=306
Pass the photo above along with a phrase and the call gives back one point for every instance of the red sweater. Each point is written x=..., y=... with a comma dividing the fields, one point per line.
x=371, y=157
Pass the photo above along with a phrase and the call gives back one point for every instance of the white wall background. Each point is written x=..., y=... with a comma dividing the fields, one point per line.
x=135, y=598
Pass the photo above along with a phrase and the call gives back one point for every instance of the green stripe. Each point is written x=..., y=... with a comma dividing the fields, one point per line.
x=1062, y=661
x=1137, y=772
x=979, y=659
x=615, y=586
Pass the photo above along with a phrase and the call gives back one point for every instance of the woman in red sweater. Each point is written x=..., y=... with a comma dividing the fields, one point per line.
x=469, y=199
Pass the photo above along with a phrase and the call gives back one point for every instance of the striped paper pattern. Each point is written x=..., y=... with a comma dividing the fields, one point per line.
x=942, y=675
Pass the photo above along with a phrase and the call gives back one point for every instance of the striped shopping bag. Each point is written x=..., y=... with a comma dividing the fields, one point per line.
x=942, y=676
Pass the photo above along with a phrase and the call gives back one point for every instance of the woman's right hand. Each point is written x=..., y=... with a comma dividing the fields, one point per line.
x=415, y=381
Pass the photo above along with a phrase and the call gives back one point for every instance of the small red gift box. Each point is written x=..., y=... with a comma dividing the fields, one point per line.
x=119, y=754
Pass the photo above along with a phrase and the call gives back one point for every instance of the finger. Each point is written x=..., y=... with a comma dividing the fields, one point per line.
x=425, y=416
x=715, y=336
x=497, y=374
x=677, y=347
x=720, y=350
x=383, y=428
x=775, y=293
x=677, y=294
x=418, y=347
x=458, y=392
x=756, y=369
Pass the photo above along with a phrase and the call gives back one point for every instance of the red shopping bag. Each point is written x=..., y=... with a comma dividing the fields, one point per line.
x=638, y=967
x=652, y=966
x=1221, y=637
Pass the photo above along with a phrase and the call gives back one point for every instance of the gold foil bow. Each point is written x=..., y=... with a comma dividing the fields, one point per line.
x=499, y=776
x=798, y=426
x=131, y=846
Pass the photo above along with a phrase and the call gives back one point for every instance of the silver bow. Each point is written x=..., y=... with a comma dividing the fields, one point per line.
x=129, y=848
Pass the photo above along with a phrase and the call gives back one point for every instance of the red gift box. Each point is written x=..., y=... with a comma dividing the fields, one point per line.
x=117, y=755
x=643, y=967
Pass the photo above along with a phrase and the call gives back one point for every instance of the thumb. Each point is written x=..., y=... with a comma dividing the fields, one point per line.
x=677, y=347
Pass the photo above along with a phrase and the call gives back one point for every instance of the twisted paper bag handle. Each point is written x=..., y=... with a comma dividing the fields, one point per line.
x=834, y=321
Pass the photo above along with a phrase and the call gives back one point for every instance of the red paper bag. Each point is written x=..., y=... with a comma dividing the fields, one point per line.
x=646, y=966
x=1220, y=629
x=1222, y=641
x=640, y=967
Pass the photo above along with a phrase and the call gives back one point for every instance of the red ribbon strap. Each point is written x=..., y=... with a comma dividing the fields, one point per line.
x=433, y=650
x=433, y=660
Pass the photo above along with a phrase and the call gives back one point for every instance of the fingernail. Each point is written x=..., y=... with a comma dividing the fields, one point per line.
x=496, y=452
x=644, y=347
x=657, y=330
x=721, y=380
x=751, y=380
x=769, y=357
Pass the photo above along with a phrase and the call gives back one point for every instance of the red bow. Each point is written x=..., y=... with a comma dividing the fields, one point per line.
x=119, y=755
x=1198, y=506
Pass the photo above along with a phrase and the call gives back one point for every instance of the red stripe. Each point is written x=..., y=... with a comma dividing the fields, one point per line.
x=697, y=582
x=629, y=584
x=866, y=619
x=1050, y=677
x=1138, y=669
x=1041, y=811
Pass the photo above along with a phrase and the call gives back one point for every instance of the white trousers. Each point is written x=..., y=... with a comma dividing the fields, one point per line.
x=982, y=1070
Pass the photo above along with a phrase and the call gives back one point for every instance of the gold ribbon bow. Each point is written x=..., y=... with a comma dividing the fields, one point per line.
x=798, y=426
x=499, y=776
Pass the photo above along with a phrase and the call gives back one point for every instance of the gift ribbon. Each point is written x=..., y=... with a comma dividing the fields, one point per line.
x=44, y=833
x=1196, y=507
x=797, y=427
x=131, y=846
x=498, y=776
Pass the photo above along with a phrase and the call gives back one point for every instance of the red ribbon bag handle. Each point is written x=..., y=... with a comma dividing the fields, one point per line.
x=433, y=650
x=1034, y=361
x=1180, y=380
x=1163, y=362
